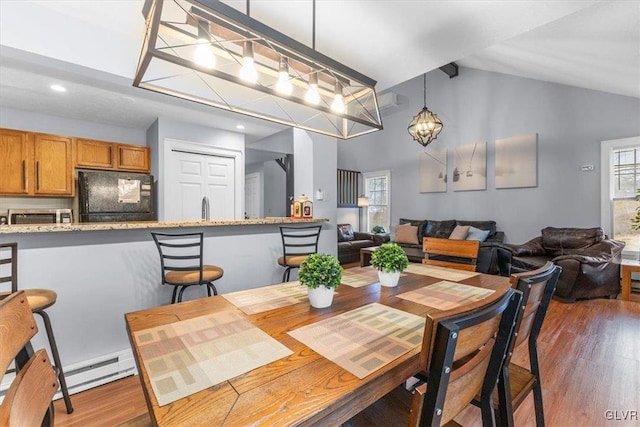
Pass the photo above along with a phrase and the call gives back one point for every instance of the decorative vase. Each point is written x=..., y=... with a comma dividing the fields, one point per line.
x=389, y=279
x=321, y=296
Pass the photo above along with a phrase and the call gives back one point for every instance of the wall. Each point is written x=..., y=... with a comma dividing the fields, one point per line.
x=482, y=106
x=275, y=189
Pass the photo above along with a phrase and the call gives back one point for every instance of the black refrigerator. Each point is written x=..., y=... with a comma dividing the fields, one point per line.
x=115, y=196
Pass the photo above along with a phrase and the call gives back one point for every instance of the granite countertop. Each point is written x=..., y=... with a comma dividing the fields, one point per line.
x=101, y=226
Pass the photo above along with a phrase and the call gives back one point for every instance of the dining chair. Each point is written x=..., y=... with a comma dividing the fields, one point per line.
x=28, y=401
x=460, y=254
x=463, y=355
x=39, y=300
x=537, y=287
x=181, y=263
x=297, y=244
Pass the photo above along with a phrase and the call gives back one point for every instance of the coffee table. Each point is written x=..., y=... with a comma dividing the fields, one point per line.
x=365, y=255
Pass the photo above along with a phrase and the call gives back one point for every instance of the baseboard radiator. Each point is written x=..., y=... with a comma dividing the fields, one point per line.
x=90, y=373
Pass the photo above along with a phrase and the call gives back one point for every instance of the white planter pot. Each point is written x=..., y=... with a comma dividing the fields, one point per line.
x=321, y=296
x=389, y=279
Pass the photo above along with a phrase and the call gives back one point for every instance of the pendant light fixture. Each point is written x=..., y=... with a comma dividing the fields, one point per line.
x=425, y=126
x=252, y=69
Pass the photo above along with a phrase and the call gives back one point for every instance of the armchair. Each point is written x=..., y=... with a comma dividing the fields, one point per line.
x=590, y=261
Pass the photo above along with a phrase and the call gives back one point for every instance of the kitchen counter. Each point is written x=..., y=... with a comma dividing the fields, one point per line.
x=102, y=226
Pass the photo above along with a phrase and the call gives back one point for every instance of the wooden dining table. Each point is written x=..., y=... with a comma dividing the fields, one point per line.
x=303, y=388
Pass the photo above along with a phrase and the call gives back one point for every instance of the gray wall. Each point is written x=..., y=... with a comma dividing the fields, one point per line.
x=482, y=106
x=275, y=189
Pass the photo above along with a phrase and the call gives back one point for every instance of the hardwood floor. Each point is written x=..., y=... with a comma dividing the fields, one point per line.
x=589, y=356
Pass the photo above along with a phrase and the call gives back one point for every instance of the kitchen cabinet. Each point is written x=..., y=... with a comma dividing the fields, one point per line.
x=35, y=164
x=91, y=154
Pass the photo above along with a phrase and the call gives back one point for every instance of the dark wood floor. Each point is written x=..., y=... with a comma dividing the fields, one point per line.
x=589, y=356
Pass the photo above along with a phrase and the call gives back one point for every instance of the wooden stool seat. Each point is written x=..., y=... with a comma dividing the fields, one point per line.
x=192, y=277
x=292, y=261
x=39, y=299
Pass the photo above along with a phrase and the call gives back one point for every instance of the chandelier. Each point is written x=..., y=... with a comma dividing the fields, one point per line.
x=425, y=126
x=208, y=52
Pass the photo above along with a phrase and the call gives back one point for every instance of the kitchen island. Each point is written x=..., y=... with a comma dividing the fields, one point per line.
x=101, y=271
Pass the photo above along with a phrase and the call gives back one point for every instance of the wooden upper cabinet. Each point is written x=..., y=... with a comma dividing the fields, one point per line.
x=133, y=158
x=16, y=162
x=92, y=154
x=95, y=154
x=53, y=156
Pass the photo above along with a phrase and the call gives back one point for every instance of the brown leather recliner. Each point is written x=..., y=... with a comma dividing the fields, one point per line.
x=590, y=261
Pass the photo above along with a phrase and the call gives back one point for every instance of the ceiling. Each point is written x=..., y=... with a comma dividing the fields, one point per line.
x=92, y=48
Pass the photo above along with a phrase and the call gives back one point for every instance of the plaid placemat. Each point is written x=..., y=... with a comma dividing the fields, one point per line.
x=267, y=298
x=440, y=272
x=186, y=357
x=359, y=277
x=363, y=340
x=446, y=295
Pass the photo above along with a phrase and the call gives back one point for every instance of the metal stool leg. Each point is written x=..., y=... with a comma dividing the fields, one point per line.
x=173, y=295
x=180, y=293
x=56, y=358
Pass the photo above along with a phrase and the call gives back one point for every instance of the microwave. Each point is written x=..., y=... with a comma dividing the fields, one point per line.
x=40, y=216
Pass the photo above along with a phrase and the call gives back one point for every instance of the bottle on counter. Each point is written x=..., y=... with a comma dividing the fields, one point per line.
x=306, y=206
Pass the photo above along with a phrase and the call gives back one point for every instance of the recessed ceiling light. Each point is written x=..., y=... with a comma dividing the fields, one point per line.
x=58, y=88
x=241, y=127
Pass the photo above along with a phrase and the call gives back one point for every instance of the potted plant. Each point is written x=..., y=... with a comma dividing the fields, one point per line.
x=321, y=274
x=389, y=259
x=378, y=229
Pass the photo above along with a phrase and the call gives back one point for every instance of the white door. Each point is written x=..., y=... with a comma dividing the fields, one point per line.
x=252, y=195
x=191, y=177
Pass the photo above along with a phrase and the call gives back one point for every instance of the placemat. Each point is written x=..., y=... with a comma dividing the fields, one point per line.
x=359, y=277
x=440, y=272
x=186, y=357
x=446, y=295
x=266, y=298
x=363, y=340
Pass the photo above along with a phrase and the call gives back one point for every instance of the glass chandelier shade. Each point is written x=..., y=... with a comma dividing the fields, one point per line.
x=208, y=52
x=425, y=126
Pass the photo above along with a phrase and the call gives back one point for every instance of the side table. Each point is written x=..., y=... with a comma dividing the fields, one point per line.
x=628, y=266
x=365, y=255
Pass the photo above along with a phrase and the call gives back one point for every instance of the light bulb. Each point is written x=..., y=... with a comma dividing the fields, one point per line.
x=284, y=85
x=248, y=72
x=337, y=106
x=203, y=55
x=313, y=96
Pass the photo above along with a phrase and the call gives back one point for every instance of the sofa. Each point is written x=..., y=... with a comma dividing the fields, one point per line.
x=410, y=238
x=590, y=261
x=350, y=242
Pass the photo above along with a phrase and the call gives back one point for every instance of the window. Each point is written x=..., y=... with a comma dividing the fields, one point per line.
x=620, y=185
x=377, y=187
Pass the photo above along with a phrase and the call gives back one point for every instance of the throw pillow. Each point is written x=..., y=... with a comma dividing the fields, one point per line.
x=477, y=234
x=407, y=234
x=460, y=232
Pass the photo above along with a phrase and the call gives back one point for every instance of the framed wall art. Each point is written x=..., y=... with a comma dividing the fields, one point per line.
x=433, y=171
x=470, y=167
x=517, y=161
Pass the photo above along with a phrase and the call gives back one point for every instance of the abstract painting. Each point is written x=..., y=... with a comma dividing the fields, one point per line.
x=517, y=161
x=470, y=167
x=433, y=171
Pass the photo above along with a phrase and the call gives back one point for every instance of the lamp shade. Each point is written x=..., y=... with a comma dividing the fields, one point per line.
x=250, y=75
x=363, y=201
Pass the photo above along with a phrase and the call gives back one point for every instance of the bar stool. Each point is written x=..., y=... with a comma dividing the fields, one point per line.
x=297, y=244
x=39, y=300
x=182, y=265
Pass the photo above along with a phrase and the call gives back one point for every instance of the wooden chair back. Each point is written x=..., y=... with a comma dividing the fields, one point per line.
x=461, y=254
x=466, y=359
x=31, y=392
x=180, y=252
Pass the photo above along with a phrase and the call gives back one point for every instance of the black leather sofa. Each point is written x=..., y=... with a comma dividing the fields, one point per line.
x=350, y=242
x=487, y=257
x=590, y=261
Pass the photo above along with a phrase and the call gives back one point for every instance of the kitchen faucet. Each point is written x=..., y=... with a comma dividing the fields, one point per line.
x=205, y=209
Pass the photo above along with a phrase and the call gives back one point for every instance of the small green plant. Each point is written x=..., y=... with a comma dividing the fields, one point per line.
x=320, y=270
x=378, y=229
x=389, y=257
